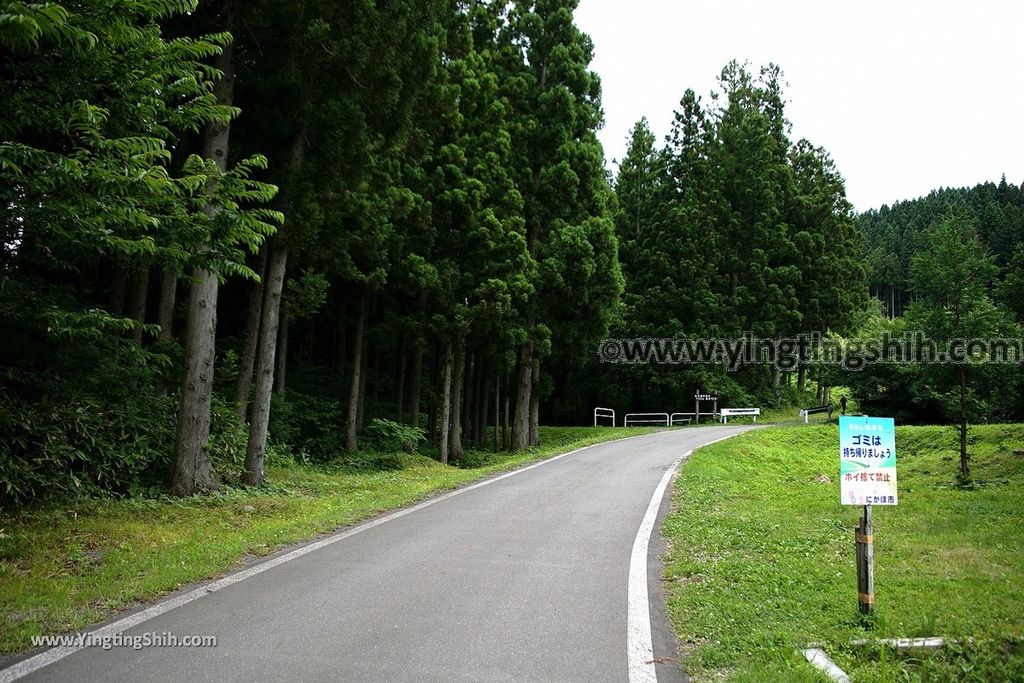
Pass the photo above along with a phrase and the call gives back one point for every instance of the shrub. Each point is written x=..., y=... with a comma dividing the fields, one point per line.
x=80, y=446
x=387, y=435
x=89, y=445
x=313, y=426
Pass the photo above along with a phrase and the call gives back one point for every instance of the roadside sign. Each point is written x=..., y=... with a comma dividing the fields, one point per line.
x=867, y=461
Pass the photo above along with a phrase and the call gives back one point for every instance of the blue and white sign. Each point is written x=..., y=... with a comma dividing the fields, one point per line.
x=867, y=461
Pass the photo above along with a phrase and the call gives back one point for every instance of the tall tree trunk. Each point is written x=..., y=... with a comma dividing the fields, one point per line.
x=497, y=407
x=446, y=402
x=165, y=317
x=415, y=382
x=339, y=330
x=403, y=370
x=432, y=399
x=165, y=313
x=521, y=425
x=254, y=313
x=483, y=412
x=192, y=471
x=474, y=418
x=468, y=398
x=117, y=290
x=266, y=349
x=801, y=378
x=535, y=405
x=352, y=433
x=343, y=334
x=281, y=355
x=137, y=302
x=367, y=352
x=376, y=353
x=965, y=470
x=506, y=438
x=458, y=394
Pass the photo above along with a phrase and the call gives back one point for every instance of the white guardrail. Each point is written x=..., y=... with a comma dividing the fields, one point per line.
x=645, y=419
x=726, y=413
x=681, y=418
x=604, y=414
x=807, y=412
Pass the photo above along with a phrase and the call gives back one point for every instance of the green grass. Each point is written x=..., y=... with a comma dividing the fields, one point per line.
x=787, y=414
x=63, y=568
x=762, y=558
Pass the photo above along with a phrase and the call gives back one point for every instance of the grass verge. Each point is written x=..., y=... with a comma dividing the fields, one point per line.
x=63, y=568
x=762, y=558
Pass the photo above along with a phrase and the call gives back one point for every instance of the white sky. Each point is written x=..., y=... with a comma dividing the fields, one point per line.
x=906, y=96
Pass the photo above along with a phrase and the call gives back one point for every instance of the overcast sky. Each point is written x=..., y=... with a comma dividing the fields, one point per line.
x=906, y=96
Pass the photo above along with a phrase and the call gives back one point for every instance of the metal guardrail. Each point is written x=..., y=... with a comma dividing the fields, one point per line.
x=726, y=413
x=684, y=418
x=604, y=413
x=646, y=418
x=805, y=413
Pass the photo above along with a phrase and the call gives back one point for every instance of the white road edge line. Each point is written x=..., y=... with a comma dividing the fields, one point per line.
x=639, y=649
x=47, y=657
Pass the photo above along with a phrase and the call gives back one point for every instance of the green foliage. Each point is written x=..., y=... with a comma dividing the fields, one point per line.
x=311, y=426
x=307, y=294
x=896, y=233
x=71, y=449
x=728, y=228
x=951, y=276
x=387, y=435
x=99, y=443
x=98, y=109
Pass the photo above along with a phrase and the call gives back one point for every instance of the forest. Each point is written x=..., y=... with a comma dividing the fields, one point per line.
x=951, y=265
x=896, y=233
x=328, y=231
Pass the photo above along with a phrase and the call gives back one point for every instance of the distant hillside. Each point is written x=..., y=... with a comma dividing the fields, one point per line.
x=894, y=233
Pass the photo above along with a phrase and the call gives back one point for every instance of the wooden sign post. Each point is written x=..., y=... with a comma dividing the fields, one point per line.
x=698, y=398
x=867, y=475
x=865, y=564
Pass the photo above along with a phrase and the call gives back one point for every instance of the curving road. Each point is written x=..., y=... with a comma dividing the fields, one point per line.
x=520, y=578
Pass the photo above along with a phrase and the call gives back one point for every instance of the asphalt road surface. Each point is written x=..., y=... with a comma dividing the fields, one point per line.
x=523, y=578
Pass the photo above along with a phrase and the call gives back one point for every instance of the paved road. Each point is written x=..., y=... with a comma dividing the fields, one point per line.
x=522, y=579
